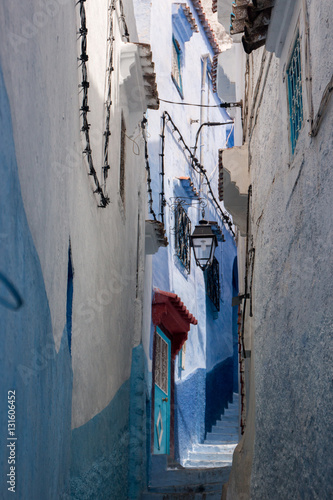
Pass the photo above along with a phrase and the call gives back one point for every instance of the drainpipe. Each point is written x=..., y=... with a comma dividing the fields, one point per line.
x=202, y=97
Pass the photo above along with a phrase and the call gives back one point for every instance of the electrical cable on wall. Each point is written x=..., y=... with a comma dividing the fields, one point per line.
x=221, y=105
x=162, y=197
x=83, y=58
x=195, y=164
x=149, y=189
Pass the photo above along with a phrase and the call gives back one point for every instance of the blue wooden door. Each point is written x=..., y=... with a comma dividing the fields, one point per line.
x=162, y=387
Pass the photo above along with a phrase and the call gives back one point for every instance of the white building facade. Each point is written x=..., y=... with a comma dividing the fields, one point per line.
x=73, y=209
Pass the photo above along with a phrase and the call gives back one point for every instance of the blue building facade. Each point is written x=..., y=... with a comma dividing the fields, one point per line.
x=182, y=140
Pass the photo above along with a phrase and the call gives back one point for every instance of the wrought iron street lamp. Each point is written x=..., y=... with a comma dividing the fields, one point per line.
x=204, y=242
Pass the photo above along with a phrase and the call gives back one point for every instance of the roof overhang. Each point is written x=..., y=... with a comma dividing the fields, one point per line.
x=169, y=312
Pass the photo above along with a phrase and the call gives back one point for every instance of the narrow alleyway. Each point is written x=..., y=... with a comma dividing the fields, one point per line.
x=205, y=470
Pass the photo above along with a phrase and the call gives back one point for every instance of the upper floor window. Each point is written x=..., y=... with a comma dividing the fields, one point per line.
x=177, y=66
x=183, y=26
x=212, y=275
x=294, y=79
x=182, y=236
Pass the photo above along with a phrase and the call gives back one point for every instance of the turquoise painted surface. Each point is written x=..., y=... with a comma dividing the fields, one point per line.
x=100, y=452
x=109, y=453
x=29, y=363
x=162, y=409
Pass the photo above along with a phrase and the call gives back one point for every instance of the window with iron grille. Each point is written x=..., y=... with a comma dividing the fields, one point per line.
x=294, y=79
x=182, y=237
x=177, y=64
x=122, y=159
x=212, y=275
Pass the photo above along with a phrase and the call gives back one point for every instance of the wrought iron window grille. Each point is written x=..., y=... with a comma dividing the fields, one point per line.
x=182, y=230
x=212, y=278
x=177, y=66
x=294, y=81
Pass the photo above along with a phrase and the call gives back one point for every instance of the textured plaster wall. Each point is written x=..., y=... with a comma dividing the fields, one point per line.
x=292, y=228
x=190, y=397
x=29, y=362
x=38, y=53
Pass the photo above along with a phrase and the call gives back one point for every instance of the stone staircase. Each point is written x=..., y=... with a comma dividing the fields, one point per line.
x=220, y=443
x=205, y=470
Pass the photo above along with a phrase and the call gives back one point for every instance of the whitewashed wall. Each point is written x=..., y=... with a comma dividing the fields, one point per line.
x=292, y=233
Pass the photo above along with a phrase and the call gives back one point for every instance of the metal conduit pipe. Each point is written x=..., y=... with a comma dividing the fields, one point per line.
x=202, y=97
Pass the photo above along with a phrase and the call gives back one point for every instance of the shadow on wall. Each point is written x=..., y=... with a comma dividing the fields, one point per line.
x=38, y=376
x=219, y=389
x=189, y=413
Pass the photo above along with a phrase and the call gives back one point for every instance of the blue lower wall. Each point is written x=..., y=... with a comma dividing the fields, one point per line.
x=189, y=412
x=99, y=461
x=109, y=453
x=29, y=363
x=219, y=389
x=139, y=417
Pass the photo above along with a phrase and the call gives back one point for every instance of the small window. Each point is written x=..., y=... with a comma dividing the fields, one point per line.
x=122, y=159
x=182, y=236
x=294, y=78
x=182, y=354
x=212, y=275
x=177, y=63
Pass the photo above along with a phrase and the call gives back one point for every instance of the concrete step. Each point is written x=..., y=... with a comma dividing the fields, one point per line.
x=178, y=479
x=221, y=438
x=227, y=427
x=211, y=457
x=207, y=464
x=213, y=448
x=228, y=418
x=227, y=423
x=231, y=429
x=230, y=413
x=232, y=406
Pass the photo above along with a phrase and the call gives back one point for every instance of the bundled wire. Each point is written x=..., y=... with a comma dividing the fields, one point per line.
x=149, y=189
x=195, y=164
x=83, y=31
x=83, y=58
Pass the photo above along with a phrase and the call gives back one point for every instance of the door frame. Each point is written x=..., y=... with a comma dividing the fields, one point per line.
x=171, y=391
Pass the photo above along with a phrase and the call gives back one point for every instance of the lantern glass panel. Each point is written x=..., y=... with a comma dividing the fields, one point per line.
x=202, y=248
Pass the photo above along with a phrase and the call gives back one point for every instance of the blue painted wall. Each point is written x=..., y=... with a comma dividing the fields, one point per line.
x=190, y=402
x=99, y=455
x=138, y=423
x=235, y=325
x=29, y=363
x=220, y=349
x=219, y=389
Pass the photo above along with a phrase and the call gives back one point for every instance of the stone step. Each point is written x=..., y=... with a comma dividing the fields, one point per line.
x=212, y=457
x=233, y=406
x=228, y=418
x=231, y=414
x=214, y=448
x=232, y=409
x=217, y=461
x=179, y=478
x=227, y=423
x=221, y=438
x=221, y=429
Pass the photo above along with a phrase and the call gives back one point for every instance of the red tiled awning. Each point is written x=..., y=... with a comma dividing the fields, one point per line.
x=170, y=312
